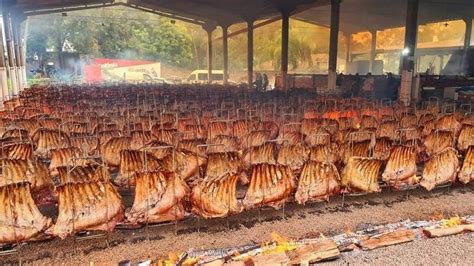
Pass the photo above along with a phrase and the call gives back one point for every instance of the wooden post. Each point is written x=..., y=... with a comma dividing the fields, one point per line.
x=333, y=42
x=285, y=35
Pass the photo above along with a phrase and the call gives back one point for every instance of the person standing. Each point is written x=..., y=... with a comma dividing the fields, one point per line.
x=265, y=82
x=368, y=87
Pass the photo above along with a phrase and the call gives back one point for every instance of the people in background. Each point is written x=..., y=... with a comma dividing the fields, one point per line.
x=265, y=82
x=355, y=88
x=258, y=82
x=368, y=87
x=393, y=84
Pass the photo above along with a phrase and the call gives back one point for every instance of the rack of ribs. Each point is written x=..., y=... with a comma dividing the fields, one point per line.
x=361, y=173
x=440, y=168
x=467, y=171
x=466, y=137
x=111, y=149
x=158, y=197
x=401, y=167
x=87, y=206
x=293, y=156
x=48, y=139
x=20, y=218
x=133, y=161
x=264, y=153
x=62, y=157
x=270, y=185
x=80, y=174
x=216, y=197
x=438, y=141
x=318, y=181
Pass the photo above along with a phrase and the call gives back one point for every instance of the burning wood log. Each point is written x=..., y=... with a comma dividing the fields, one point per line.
x=439, y=232
x=314, y=252
x=388, y=239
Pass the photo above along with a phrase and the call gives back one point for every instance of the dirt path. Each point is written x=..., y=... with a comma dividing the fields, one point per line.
x=299, y=221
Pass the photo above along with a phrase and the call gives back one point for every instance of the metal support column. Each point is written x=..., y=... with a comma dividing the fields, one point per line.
x=3, y=70
x=285, y=36
x=209, y=29
x=348, y=51
x=250, y=52
x=333, y=41
x=16, y=28
x=373, y=47
x=11, y=53
x=467, y=41
x=225, y=51
x=408, y=54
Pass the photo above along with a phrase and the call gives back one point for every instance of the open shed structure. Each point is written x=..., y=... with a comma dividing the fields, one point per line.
x=346, y=17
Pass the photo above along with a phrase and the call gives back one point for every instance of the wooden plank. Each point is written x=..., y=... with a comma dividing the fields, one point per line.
x=388, y=239
x=314, y=252
x=439, y=232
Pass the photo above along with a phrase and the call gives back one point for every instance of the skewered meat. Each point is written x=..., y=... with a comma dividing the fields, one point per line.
x=157, y=148
x=408, y=120
x=270, y=185
x=158, y=197
x=345, y=123
x=255, y=138
x=449, y=123
x=382, y=148
x=65, y=157
x=51, y=123
x=90, y=206
x=438, y=141
x=217, y=128
x=133, y=161
x=324, y=153
x=192, y=145
x=270, y=126
x=466, y=137
x=291, y=137
x=165, y=135
x=88, y=145
x=440, y=168
x=20, y=151
x=260, y=154
x=223, y=164
x=318, y=181
x=16, y=133
x=81, y=174
x=111, y=150
x=140, y=138
x=388, y=129
x=360, y=174
x=359, y=149
x=75, y=128
x=368, y=121
x=240, y=128
x=186, y=164
x=223, y=143
x=308, y=126
x=318, y=137
x=33, y=171
x=401, y=167
x=20, y=218
x=105, y=136
x=467, y=171
x=293, y=156
x=48, y=139
x=216, y=198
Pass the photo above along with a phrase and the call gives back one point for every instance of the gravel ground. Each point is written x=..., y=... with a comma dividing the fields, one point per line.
x=299, y=221
x=452, y=250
